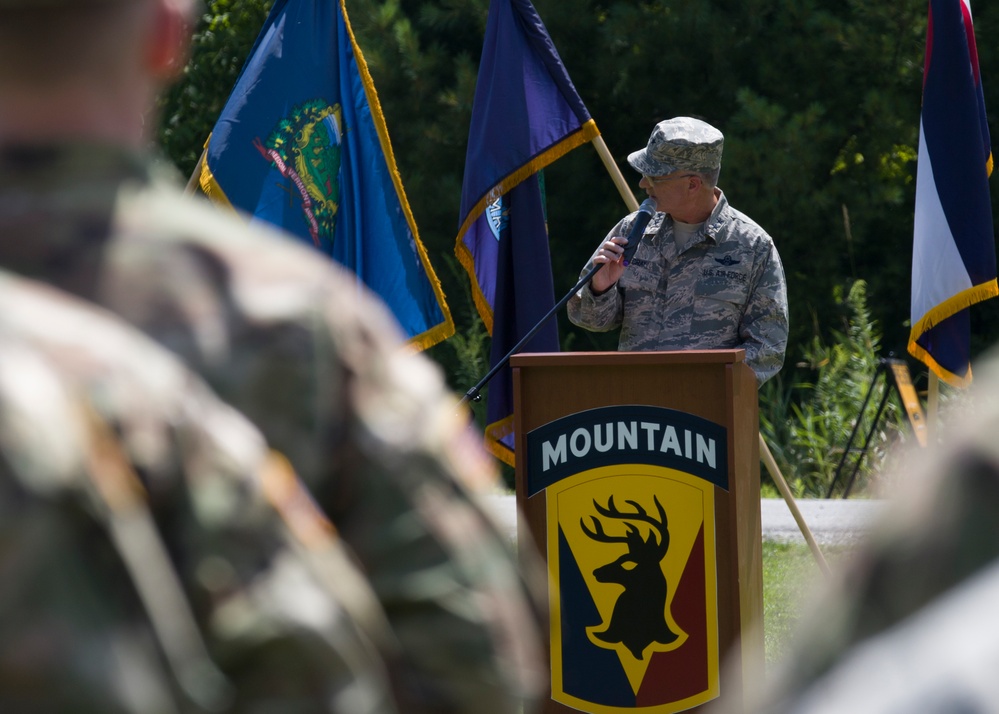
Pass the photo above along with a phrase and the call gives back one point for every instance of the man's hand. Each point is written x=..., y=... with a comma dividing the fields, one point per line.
x=609, y=254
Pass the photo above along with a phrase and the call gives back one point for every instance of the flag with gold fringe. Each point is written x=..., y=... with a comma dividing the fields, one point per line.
x=526, y=114
x=302, y=144
x=953, y=255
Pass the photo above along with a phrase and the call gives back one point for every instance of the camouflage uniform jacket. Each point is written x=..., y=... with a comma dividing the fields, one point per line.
x=155, y=557
x=938, y=535
x=723, y=289
x=295, y=344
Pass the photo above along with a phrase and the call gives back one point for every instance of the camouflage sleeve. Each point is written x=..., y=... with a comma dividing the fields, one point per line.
x=939, y=531
x=598, y=313
x=450, y=584
x=764, y=325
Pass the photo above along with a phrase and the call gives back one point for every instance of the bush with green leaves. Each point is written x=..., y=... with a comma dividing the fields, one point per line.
x=836, y=390
x=225, y=32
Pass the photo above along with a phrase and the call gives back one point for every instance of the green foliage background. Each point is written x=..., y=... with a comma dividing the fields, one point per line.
x=819, y=101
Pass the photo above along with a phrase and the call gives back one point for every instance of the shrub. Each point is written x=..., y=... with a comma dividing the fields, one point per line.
x=836, y=390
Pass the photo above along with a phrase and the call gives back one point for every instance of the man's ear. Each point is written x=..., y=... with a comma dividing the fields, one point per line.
x=170, y=38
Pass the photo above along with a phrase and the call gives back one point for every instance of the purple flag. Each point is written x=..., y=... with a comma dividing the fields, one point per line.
x=953, y=255
x=526, y=114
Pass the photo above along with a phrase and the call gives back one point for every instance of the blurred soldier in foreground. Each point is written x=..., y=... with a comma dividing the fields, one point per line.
x=155, y=557
x=276, y=330
x=910, y=623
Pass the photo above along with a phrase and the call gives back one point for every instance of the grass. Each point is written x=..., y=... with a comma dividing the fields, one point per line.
x=790, y=574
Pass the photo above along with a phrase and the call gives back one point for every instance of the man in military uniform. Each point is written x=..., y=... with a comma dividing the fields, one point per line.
x=705, y=276
x=277, y=331
x=156, y=558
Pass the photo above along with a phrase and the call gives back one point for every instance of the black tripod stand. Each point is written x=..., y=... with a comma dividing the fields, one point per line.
x=896, y=374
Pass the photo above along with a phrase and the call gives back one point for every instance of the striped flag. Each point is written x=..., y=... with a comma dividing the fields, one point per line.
x=953, y=255
x=526, y=114
x=302, y=144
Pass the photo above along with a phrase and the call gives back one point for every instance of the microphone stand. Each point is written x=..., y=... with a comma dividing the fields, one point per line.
x=473, y=393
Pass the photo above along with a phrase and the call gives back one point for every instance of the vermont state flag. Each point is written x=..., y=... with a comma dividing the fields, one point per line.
x=525, y=115
x=953, y=256
x=302, y=144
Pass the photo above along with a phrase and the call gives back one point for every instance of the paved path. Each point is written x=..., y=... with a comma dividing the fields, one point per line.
x=831, y=522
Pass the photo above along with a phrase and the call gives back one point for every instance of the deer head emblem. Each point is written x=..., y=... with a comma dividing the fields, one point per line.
x=639, y=614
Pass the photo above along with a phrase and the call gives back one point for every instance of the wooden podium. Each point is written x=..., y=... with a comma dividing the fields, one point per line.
x=638, y=479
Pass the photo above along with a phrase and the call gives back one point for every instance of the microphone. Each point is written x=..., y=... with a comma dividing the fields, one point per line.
x=645, y=213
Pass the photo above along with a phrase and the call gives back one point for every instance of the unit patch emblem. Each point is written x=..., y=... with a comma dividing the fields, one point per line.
x=633, y=597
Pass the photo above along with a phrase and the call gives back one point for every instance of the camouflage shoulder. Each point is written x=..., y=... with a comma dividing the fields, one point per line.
x=276, y=279
x=400, y=454
x=270, y=271
x=166, y=555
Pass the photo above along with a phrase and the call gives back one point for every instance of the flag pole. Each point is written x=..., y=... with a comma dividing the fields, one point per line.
x=785, y=491
x=615, y=173
x=768, y=459
x=195, y=179
x=932, y=406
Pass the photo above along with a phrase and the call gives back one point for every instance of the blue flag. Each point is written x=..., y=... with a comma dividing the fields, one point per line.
x=526, y=114
x=302, y=144
x=953, y=256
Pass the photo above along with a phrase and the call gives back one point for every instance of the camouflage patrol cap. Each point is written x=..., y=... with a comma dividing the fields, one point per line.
x=679, y=144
